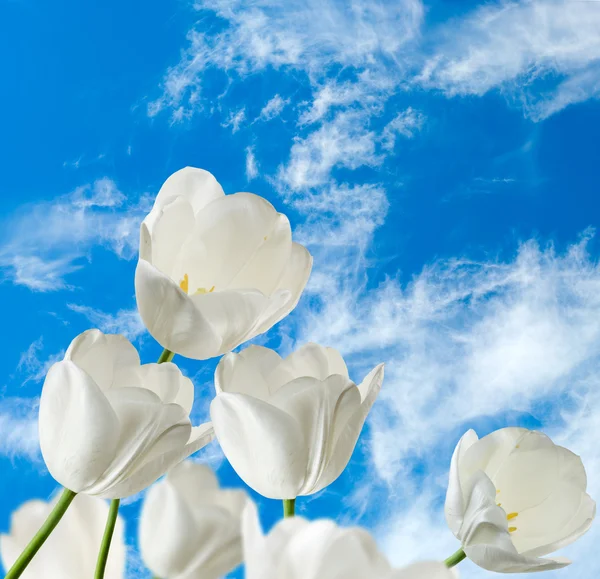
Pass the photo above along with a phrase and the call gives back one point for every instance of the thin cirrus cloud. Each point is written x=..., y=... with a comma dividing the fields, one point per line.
x=45, y=242
x=542, y=54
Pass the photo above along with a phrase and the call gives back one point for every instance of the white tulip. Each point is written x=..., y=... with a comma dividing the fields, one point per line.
x=298, y=549
x=215, y=270
x=513, y=497
x=288, y=427
x=72, y=549
x=189, y=528
x=110, y=427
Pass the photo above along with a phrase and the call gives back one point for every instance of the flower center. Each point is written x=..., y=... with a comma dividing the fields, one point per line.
x=509, y=516
x=184, y=284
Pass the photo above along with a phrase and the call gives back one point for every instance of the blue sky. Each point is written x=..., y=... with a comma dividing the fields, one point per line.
x=439, y=158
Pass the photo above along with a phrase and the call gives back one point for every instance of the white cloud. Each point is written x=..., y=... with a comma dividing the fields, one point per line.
x=273, y=108
x=19, y=428
x=545, y=54
x=346, y=141
x=126, y=322
x=251, y=164
x=31, y=366
x=43, y=243
x=235, y=120
x=308, y=36
x=407, y=123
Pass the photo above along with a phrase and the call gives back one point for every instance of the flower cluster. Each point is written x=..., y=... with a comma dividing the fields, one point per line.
x=214, y=271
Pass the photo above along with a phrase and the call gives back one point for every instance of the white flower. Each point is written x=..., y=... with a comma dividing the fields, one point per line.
x=72, y=549
x=514, y=496
x=298, y=549
x=189, y=528
x=288, y=427
x=215, y=270
x=109, y=426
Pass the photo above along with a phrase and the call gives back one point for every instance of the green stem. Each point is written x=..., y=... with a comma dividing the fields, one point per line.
x=66, y=498
x=289, y=507
x=166, y=356
x=455, y=559
x=107, y=538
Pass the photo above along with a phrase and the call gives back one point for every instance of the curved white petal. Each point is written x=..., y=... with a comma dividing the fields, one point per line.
x=454, y=507
x=347, y=429
x=171, y=316
x=247, y=372
x=169, y=384
x=316, y=407
x=288, y=290
x=197, y=186
x=163, y=233
x=264, y=268
x=78, y=428
x=264, y=445
x=231, y=314
x=228, y=234
x=153, y=465
x=105, y=357
x=310, y=360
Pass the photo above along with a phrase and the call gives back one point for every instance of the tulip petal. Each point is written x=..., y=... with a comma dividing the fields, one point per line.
x=167, y=532
x=310, y=360
x=347, y=429
x=454, y=507
x=169, y=384
x=317, y=406
x=197, y=186
x=231, y=314
x=152, y=467
x=289, y=289
x=163, y=233
x=171, y=316
x=263, y=553
x=263, y=269
x=247, y=372
x=78, y=429
x=423, y=570
x=325, y=550
x=228, y=233
x=264, y=445
x=105, y=357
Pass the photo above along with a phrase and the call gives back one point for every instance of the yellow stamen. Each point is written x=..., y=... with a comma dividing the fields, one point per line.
x=512, y=529
x=511, y=516
x=499, y=504
x=184, y=283
x=497, y=492
x=202, y=290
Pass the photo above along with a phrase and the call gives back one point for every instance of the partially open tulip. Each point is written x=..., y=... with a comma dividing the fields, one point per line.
x=288, y=427
x=189, y=527
x=72, y=549
x=215, y=270
x=109, y=426
x=298, y=549
x=514, y=496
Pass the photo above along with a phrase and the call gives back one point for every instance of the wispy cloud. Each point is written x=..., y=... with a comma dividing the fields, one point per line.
x=406, y=123
x=251, y=164
x=310, y=37
x=235, y=120
x=126, y=321
x=273, y=108
x=43, y=243
x=543, y=54
x=31, y=366
x=19, y=428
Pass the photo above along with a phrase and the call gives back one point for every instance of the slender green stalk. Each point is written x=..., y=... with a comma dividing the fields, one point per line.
x=455, y=559
x=66, y=498
x=166, y=356
x=289, y=507
x=107, y=538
